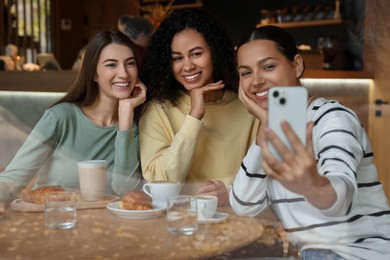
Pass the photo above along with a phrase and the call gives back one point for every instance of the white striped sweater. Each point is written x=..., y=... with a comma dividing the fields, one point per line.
x=357, y=226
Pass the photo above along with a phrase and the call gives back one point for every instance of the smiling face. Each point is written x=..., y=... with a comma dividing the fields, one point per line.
x=261, y=66
x=192, y=63
x=116, y=72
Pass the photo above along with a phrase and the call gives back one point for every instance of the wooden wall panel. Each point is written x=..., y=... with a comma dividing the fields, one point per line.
x=377, y=53
x=87, y=16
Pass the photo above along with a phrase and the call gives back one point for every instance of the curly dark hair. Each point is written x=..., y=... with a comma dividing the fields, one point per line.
x=157, y=72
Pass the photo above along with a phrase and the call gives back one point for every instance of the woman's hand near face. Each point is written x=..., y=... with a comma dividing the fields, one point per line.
x=138, y=95
x=199, y=98
x=127, y=106
x=251, y=106
x=298, y=170
x=215, y=188
x=256, y=111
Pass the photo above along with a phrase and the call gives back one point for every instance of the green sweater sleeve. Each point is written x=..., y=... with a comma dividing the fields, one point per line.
x=127, y=169
x=61, y=138
x=29, y=159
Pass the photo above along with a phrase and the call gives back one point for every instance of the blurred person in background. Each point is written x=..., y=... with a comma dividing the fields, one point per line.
x=139, y=30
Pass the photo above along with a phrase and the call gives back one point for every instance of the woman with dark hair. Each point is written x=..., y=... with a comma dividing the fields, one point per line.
x=192, y=128
x=326, y=192
x=94, y=120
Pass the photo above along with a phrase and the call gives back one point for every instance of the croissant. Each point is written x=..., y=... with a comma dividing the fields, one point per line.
x=136, y=200
x=38, y=195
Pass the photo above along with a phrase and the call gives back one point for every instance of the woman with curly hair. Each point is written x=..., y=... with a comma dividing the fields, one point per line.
x=194, y=128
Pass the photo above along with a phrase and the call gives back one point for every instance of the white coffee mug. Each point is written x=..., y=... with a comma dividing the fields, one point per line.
x=207, y=206
x=160, y=191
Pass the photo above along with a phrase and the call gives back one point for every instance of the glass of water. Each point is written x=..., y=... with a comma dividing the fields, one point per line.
x=182, y=215
x=60, y=210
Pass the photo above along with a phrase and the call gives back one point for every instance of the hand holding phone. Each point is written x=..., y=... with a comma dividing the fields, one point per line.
x=287, y=103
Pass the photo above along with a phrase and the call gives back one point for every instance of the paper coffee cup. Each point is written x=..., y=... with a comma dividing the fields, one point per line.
x=92, y=177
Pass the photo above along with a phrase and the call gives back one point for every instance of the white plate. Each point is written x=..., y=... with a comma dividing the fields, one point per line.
x=134, y=214
x=218, y=217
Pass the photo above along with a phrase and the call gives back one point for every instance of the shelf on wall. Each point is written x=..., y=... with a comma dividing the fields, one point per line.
x=311, y=23
x=175, y=5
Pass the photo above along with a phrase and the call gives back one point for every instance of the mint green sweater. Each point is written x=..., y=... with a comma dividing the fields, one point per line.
x=61, y=138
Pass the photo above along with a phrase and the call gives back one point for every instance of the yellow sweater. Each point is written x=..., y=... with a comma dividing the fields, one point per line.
x=176, y=146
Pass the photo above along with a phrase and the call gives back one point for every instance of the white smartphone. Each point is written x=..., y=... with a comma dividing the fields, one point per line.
x=287, y=103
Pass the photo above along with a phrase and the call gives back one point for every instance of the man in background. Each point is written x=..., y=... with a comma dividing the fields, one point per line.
x=139, y=30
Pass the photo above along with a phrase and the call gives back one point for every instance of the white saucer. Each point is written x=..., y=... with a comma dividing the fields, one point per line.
x=218, y=217
x=135, y=214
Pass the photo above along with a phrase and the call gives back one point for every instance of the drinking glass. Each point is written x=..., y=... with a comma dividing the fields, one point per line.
x=182, y=215
x=60, y=210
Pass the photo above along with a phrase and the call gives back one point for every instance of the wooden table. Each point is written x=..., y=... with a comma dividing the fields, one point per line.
x=99, y=234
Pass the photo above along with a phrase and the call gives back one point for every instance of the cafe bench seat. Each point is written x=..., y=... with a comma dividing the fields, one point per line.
x=19, y=112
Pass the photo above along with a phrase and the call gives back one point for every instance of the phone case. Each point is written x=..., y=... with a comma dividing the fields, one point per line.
x=287, y=103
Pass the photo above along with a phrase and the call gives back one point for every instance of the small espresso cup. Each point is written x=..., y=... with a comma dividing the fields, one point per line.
x=60, y=210
x=207, y=206
x=92, y=177
x=160, y=191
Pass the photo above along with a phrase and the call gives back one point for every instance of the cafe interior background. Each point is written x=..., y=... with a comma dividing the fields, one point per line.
x=41, y=40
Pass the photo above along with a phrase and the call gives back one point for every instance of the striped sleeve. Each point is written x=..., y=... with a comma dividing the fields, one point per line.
x=337, y=141
x=248, y=196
